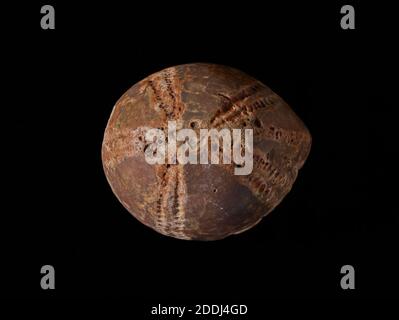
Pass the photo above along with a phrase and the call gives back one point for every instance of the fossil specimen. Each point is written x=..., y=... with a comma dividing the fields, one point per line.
x=202, y=201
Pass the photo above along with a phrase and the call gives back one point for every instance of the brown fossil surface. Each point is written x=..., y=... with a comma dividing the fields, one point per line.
x=201, y=201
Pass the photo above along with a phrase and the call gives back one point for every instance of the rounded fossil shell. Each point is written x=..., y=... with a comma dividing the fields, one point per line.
x=201, y=201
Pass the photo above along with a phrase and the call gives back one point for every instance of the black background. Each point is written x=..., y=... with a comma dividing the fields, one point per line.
x=61, y=86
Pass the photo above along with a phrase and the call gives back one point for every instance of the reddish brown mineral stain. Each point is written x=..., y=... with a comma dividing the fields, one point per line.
x=203, y=202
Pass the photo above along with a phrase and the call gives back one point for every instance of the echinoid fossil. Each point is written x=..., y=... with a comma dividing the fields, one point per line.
x=202, y=201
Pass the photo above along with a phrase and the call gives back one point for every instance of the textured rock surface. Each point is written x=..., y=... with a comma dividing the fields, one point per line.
x=204, y=202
